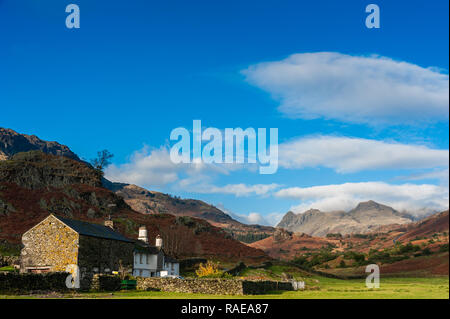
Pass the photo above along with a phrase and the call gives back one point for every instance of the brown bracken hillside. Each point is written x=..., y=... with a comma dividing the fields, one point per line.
x=34, y=184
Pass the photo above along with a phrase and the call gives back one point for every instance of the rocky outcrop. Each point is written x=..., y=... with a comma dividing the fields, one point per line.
x=12, y=143
x=281, y=235
x=36, y=170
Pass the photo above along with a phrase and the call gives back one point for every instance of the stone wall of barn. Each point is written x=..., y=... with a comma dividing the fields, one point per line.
x=98, y=255
x=50, y=243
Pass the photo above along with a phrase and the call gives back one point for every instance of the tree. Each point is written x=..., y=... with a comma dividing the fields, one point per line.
x=102, y=160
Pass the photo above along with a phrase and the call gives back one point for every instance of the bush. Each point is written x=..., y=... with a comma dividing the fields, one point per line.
x=210, y=269
x=29, y=282
x=408, y=248
x=337, y=235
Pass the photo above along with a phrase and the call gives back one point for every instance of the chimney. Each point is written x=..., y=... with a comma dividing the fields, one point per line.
x=109, y=223
x=143, y=234
x=159, y=242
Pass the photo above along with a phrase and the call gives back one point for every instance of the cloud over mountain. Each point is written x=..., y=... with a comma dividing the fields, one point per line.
x=416, y=199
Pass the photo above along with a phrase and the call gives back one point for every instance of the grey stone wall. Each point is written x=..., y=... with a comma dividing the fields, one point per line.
x=211, y=286
x=50, y=243
x=103, y=254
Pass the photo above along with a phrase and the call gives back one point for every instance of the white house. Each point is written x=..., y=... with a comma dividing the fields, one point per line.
x=148, y=260
x=151, y=261
x=171, y=267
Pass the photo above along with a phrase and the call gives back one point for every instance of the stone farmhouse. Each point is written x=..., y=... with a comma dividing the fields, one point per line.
x=56, y=242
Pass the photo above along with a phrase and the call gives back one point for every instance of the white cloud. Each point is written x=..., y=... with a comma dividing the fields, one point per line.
x=415, y=199
x=346, y=154
x=155, y=168
x=239, y=190
x=441, y=175
x=145, y=168
x=270, y=219
x=358, y=89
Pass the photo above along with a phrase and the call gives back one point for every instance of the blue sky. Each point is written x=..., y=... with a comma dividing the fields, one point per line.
x=365, y=122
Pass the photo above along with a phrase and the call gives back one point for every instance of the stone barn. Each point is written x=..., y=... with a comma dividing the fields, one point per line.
x=57, y=242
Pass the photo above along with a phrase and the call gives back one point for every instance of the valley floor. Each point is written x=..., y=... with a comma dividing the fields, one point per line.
x=327, y=288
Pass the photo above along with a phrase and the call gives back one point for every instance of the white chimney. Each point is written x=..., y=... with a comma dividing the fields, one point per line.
x=159, y=242
x=143, y=234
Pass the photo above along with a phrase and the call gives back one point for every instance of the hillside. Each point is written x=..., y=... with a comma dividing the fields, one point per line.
x=34, y=184
x=139, y=199
x=365, y=217
x=151, y=202
x=416, y=248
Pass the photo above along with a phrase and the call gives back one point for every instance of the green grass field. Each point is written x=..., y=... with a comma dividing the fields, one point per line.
x=390, y=288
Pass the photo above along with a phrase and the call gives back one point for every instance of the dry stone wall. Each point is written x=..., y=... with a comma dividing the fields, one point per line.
x=211, y=286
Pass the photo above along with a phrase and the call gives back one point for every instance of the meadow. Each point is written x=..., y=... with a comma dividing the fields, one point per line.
x=325, y=288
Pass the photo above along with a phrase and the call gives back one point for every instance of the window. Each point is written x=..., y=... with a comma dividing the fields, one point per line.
x=141, y=255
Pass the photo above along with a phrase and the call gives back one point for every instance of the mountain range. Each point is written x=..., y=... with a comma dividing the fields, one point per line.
x=365, y=217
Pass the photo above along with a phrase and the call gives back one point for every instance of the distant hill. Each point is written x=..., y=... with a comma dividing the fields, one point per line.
x=365, y=217
x=12, y=143
x=416, y=249
x=35, y=184
x=151, y=202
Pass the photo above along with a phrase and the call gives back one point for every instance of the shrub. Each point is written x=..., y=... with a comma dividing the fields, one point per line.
x=210, y=269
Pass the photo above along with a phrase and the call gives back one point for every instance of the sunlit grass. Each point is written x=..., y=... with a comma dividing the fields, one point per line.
x=328, y=288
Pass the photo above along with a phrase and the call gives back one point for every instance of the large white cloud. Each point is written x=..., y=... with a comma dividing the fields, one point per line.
x=346, y=154
x=151, y=168
x=155, y=168
x=359, y=89
x=415, y=199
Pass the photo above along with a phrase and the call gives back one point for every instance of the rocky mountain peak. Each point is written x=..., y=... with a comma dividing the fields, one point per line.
x=12, y=143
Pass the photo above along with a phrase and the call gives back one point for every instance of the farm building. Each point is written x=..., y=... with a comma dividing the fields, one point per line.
x=57, y=242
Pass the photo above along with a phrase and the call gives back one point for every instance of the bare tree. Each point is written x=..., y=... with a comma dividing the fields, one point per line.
x=102, y=160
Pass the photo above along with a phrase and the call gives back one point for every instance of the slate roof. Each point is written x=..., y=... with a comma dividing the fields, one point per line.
x=93, y=230
x=144, y=247
x=170, y=259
